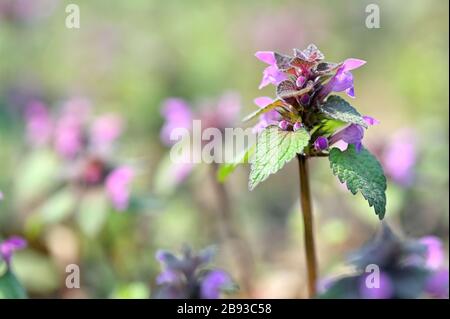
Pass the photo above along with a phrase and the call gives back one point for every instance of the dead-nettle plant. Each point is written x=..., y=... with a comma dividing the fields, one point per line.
x=305, y=121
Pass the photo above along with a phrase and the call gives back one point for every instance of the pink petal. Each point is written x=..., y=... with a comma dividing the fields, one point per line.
x=262, y=101
x=370, y=120
x=351, y=64
x=266, y=56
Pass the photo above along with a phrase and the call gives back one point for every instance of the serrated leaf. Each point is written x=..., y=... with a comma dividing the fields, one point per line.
x=10, y=287
x=263, y=110
x=339, y=109
x=227, y=168
x=274, y=148
x=361, y=172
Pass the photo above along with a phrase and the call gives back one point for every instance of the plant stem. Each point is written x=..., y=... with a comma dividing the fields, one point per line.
x=305, y=200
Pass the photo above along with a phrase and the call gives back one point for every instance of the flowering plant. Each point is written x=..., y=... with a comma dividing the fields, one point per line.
x=304, y=120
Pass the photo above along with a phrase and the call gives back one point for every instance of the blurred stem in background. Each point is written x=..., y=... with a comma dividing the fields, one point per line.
x=237, y=246
x=305, y=200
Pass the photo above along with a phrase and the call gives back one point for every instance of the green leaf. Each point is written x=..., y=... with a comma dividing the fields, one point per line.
x=263, y=110
x=339, y=109
x=274, y=149
x=361, y=172
x=227, y=168
x=326, y=127
x=10, y=287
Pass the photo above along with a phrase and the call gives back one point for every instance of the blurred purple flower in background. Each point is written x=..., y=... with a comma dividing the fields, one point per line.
x=117, y=187
x=26, y=10
x=384, y=290
x=105, y=130
x=39, y=124
x=9, y=246
x=408, y=269
x=69, y=137
x=437, y=284
x=399, y=157
x=213, y=283
x=220, y=113
x=185, y=276
x=434, y=252
x=177, y=114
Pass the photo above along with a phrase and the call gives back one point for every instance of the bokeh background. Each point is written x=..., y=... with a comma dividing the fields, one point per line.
x=128, y=57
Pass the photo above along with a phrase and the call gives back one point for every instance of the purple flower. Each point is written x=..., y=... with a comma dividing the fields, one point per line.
x=385, y=289
x=9, y=246
x=68, y=139
x=353, y=134
x=177, y=114
x=321, y=143
x=1, y=195
x=38, y=123
x=117, y=187
x=271, y=74
x=437, y=284
x=106, y=129
x=434, y=253
x=399, y=158
x=213, y=283
x=343, y=79
x=269, y=118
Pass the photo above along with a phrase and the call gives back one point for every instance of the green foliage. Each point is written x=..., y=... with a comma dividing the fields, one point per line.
x=339, y=109
x=274, y=149
x=227, y=168
x=10, y=287
x=326, y=127
x=361, y=172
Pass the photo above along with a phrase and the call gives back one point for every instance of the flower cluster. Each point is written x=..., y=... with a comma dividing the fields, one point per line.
x=303, y=82
x=185, y=276
x=407, y=269
x=84, y=143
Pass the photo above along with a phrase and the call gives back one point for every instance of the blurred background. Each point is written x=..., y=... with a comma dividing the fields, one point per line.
x=80, y=109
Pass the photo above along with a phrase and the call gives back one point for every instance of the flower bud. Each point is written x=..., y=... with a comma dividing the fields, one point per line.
x=321, y=143
x=297, y=126
x=284, y=125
